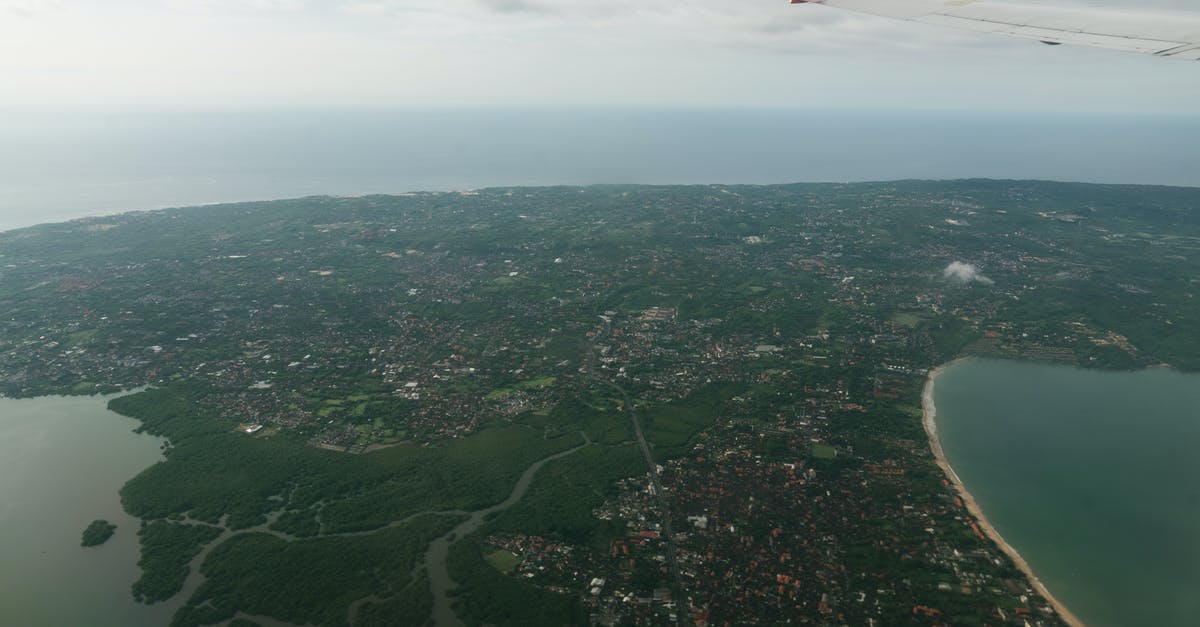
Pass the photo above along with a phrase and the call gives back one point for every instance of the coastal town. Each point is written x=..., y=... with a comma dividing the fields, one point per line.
x=742, y=367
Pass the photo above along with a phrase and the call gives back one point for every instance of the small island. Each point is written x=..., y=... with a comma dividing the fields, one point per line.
x=97, y=533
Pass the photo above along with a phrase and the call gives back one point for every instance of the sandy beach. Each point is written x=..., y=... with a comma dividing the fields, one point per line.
x=930, y=421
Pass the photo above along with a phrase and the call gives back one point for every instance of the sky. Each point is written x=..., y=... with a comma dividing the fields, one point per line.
x=204, y=55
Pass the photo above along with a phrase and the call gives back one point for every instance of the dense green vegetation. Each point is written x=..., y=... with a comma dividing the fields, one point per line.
x=410, y=607
x=298, y=523
x=167, y=549
x=212, y=471
x=487, y=597
x=97, y=533
x=671, y=426
x=600, y=417
x=562, y=498
x=469, y=473
x=314, y=580
x=349, y=493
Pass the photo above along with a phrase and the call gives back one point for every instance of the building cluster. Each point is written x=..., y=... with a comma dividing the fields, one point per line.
x=810, y=498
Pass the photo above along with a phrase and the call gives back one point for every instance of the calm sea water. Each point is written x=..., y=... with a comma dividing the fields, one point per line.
x=56, y=166
x=1093, y=476
x=62, y=461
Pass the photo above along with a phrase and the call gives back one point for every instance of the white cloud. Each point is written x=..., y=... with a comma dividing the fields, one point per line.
x=29, y=8
x=961, y=272
x=267, y=53
x=237, y=5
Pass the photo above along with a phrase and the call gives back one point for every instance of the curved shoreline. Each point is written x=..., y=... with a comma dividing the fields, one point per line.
x=929, y=420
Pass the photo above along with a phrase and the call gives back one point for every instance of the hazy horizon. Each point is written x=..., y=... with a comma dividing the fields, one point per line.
x=131, y=105
x=63, y=166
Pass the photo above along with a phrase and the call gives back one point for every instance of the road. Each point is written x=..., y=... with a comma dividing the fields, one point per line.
x=677, y=592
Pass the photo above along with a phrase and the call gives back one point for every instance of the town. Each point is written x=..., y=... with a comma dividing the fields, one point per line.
x=766, y=345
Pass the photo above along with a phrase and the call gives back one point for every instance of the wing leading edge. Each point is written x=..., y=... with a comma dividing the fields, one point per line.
x=1160, y=33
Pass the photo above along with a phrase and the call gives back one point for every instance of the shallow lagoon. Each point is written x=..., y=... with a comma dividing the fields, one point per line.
x=1094, y=477
x=62, y=462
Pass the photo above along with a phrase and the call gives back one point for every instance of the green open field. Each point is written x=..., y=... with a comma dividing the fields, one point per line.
x=503, y=560
x=821, y=451
x=907, y=319
x=524, y=385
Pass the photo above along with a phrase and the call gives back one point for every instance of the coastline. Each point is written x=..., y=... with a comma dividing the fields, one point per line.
x=929, y=420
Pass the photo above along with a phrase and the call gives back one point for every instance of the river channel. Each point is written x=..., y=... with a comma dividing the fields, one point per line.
x=63, y=461
x=435, y=556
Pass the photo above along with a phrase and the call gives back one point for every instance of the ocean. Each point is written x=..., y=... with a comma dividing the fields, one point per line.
x=56, y=165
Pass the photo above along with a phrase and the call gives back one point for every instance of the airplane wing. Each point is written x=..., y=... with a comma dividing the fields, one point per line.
x=1161, y=33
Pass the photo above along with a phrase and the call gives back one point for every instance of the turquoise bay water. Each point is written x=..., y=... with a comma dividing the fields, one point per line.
x=1094, y=477
x=62, y=461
